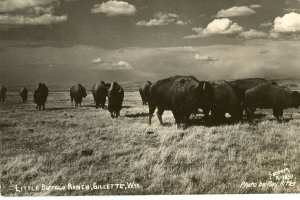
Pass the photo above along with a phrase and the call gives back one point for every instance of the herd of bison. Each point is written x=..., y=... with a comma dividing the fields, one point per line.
x=184, y=95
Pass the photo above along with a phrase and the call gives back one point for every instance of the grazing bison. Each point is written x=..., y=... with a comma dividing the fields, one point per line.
x=115, y=99
x=23, y=93
x=270, y=96
x=180, y=94
x=225, y=101
x=2, y=94
x=144, y=91
x=77, y=93
x=241, y=85
x=40, y=96
x=100, y=91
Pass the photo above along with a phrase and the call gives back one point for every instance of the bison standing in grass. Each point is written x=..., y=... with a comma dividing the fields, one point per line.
x=2, y=94
x=23, y=93
x=100, y=91
x=144, y=91
x=180, y=94
x=40, y=96
x=241, y=85
x=115, y=99
x=270, y=96
x=225, y=101
x=77, y=93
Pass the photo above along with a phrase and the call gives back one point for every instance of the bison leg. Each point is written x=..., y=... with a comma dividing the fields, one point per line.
x=218, y=114
x=278, y=113
x=194, y=114
x=206, y=114
x=185, y=120
x=175, y=114
x=43, y=106
x=72, y=101
x=103, y=103
x=151, y=111
x=118, y=113
x=112, y=114
x=236, y=116
x=159, y=113
x=249, y=113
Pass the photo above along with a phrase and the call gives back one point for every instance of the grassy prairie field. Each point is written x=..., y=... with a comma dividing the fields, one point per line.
x=84, y=147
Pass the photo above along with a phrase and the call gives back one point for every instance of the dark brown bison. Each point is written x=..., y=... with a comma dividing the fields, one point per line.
x=77, y=93
x=40, y=96
x=2, y=94
x=23, y=93
x=270, y=96
x=100, y=91
x=180, y=94
x=115, y=99
x=144, y=91
x=225, y=101
x=241, y=85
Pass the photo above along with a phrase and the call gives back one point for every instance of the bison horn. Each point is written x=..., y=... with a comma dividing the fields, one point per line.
x=203, y=88
x=120, y=89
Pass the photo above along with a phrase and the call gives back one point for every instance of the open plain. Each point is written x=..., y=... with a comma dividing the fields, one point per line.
x=65, y=150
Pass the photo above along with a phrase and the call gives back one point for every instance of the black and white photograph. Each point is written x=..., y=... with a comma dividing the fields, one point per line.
x=149, y=97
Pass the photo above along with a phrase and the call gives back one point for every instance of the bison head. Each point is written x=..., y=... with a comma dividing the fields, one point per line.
x=41, y=86
x=296, y=99
x=107, y=85
x=207, y=92
x=82, y=90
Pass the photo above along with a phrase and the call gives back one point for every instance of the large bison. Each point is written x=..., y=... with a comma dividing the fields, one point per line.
x=115, y=99
x=77, y=93
x=100, y=91
x=40, y=96
x=180, y=94
x=2, y=94
x=225, y=101
x=241, y=85
x=23, y=93
x=144, y=91
x=270, y=96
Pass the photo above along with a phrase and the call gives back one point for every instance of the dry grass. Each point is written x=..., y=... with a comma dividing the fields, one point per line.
x=84, y=145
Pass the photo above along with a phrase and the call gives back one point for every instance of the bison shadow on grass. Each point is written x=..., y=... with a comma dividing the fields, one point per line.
x=60, y=108
x=136, y=115
x=90, y=106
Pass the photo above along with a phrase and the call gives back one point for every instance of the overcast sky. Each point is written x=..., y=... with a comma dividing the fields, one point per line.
x=69, y=41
